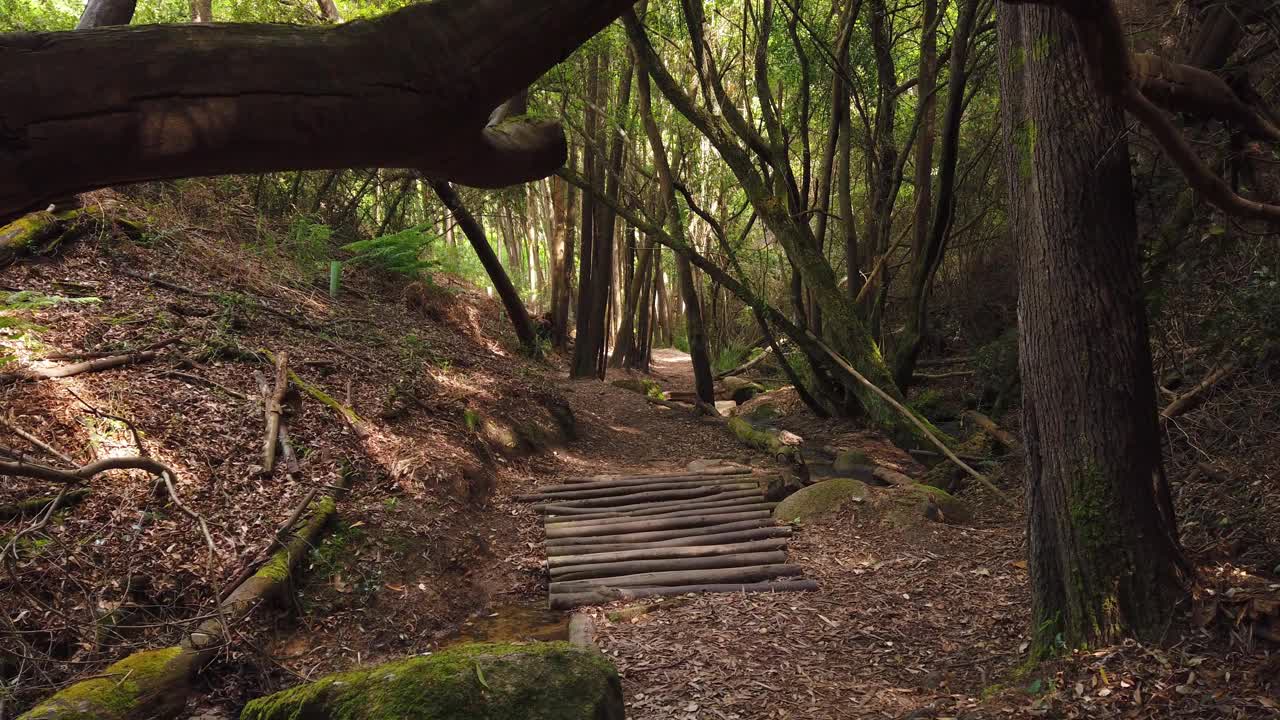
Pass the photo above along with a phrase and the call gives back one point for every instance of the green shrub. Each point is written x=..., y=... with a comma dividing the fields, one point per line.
x=405, y=252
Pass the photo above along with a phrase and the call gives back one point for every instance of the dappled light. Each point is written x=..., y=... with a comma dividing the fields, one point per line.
x=603, y=359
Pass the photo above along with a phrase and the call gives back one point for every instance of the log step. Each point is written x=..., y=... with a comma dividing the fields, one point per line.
x=599, y=596
x=632, y=536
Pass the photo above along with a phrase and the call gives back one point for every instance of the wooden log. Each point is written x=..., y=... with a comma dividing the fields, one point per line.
x=621, y=481
x=582, y=630
x=650, y=536
x=717, y=539
x=707, y=472
x=574, y=507
x=624, y=490
x=604, y=570
x=662, y=553
x=743, y=505
x=558, y=490
x=88, y=366
x=645, y=497
x=989, y=426
x=600, y=596
x=607, y=527
x=561, y=513
x=683, y=577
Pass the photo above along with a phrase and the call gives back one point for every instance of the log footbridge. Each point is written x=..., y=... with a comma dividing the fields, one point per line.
x=633, y=536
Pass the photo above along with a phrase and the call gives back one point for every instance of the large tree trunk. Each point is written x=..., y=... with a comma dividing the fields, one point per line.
x=584, y=345
x=139, y=103
x=506, y=291
x=1104, y=556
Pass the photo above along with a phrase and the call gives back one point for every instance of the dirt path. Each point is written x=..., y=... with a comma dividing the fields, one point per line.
x=904, y=620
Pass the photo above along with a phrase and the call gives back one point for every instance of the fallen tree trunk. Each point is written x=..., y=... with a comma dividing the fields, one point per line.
x=750, y=502
x=568, y=511
x=682, y=577
x=661, y=553
x=602, y=570
x=139, y=103
x=617, y=491
x=745, y=505
x=989, y=426
x=44, y=231
x=721, y=538
x=606, y=528
x=600, y=596
x=155, y=683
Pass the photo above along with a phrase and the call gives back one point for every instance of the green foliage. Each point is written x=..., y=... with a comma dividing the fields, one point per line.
x=926, y=403
x=1244, y=321
x=308, y=243
x=998, y=378
x=405, y=252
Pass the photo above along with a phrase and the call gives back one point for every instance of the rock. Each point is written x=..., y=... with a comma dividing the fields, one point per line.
x=741, y=389
x=846, y=462
x=820, y=499
x=907, y=505
x=539, y=681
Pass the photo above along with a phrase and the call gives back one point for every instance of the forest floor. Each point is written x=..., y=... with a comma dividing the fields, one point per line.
x=927, y=621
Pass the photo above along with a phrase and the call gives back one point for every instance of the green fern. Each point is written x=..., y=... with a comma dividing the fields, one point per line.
x=404, y=252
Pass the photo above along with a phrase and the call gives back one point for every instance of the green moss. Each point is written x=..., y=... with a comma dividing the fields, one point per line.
x=649, y=388
x=548, y=681
x=819, y=499
x=1042, y=47
x=121, y=690
x=472, y=419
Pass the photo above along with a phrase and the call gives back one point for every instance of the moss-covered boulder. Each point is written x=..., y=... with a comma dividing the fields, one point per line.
x=648, y=388
x=741, y=389
x=820, y=499
x=540, y=681
x=907, y=506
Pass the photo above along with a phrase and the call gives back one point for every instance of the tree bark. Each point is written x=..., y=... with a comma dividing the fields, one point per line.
x=329, y=10
x=1104, y=556
x=506, y=291
x=201, y=11
x=104, y=13
x=139, y=103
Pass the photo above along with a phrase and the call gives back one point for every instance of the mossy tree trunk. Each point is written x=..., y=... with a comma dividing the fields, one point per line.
x=1105, y=561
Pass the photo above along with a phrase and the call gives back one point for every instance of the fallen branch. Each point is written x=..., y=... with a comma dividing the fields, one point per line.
x=272, y=407
x=943, y=376
x=34, y=506
x=945, y=361
x=924, y=430
x=113, y=353
x=748, y=364
x=88, y=366
x=348, y=415
x=989, y=426
x=13, y=427
x=197, y=380
x=1196, y=395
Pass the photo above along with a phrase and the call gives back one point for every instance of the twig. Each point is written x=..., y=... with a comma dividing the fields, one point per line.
x=945, y=375
x=204, y=527
x=844, y=365
x=1195, y=395
x=12, y=426
x=197, y=380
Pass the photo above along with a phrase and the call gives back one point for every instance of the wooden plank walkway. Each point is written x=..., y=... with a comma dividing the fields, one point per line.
x=633, y=536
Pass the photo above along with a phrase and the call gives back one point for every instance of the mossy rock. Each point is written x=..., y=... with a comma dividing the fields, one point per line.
x=741, y=389
x=849, y=462
x=907, y=506
x=152, y=683
x=540, y=681
x=820, y=499
x=648, y=388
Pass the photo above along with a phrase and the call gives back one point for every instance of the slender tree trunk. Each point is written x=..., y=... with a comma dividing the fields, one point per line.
x=506, y=291
x=927, y=256
x=584, y=346
x=201, y=11
x=561, y=261
x=624, y=347
x=696, y=329
x=1105, y=562
x=329, y=10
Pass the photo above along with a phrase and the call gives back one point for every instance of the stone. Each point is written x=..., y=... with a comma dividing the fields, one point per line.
x=820, y=499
